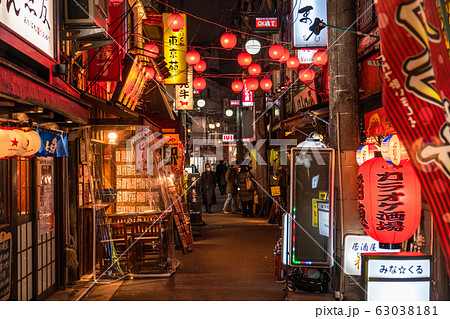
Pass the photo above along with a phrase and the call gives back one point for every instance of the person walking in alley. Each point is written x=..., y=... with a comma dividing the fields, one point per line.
x=220, y=176
x=208, y=185
x=232, y=191
x=247, y=189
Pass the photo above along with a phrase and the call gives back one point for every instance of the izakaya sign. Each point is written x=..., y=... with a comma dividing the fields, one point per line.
x=33, y=20
x=307, y=15
x=175, y=52
x=415, y=96
x=184, y=95
x=247, y=95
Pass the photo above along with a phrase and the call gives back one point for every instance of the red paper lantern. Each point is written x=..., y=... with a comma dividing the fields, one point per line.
x=116, y=2
x=293, y=62
x=276, y=51
x=149, y=73
x=306, y=75
x=228, y=41
x=192, y=57
x=237, y=86
x=366, y=152
x=285, y=56
x=320, y=58
x=266, y=84
x=252, y=84
x=389, y=200
x=159, y=77
x=175, y=22
x=244, y=59
x=151, y=51
x=393, y=150
x=199, y=83
x=200, y=66
x=254, y=69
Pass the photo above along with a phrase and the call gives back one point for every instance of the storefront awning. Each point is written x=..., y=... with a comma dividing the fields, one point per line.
x=167, y=125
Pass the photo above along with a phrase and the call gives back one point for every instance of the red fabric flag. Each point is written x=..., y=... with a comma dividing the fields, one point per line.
x=415, y=91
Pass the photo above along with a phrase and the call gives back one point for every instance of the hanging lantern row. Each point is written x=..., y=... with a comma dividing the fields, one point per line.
x=244, y=59
x=17, y=142
x=306, y=75
x=175, y=22
x=192, y=57
x=254, y=69
x=199, y=83
x=228, y=41
x=392, y=150
x=200, y=66
x=266, y=84
x=237, y=86
x=252, y=84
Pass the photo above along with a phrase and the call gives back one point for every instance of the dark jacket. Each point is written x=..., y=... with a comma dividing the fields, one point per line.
x=246, y=195
x=208, y=184
x=220, y=174
x=230, y=177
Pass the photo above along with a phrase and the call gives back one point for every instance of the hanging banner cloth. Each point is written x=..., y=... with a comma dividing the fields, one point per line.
x=53, y=145
x=415, y=96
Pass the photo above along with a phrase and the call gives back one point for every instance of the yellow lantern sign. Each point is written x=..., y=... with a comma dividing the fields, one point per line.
x=175, y=49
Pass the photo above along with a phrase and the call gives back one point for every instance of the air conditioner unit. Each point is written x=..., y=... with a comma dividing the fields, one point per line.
x=86, y=13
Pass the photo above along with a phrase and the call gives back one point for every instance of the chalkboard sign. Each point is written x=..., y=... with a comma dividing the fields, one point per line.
x=5, y=265
x=310, y=222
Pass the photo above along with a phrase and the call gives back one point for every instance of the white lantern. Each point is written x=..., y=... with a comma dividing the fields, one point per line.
x=366, y=152
x=35, y=143
x=393, y=151
x=24, y=141
x=9, y=143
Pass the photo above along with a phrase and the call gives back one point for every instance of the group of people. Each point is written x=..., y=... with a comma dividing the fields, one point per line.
x=237, y=182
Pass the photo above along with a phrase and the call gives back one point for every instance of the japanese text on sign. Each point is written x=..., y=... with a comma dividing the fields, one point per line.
x=408, y=268
x=175, y=52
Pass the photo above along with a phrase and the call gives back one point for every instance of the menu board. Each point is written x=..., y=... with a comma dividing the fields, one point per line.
x=181, y=222
x=5, y=265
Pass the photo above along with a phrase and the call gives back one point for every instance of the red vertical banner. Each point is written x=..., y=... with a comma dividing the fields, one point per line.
x=415, y=91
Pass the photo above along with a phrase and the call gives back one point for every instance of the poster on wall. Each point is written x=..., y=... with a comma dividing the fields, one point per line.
x=46, y=196
x=306, y=18
x=32, y=20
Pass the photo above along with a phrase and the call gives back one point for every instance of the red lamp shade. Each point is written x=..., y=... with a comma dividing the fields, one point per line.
x=115, y=2
x=306, y=75
x=244, y=59
x=199, y=83
x=285, y=56
x=192, y=57
x=175, y=22
x=228, y=41
x=200, y=66
x=393, y=151
x=149, y=73
x=366, y=152
x=293, y=62
x=151, y=51
x=266, y=84
x=276, y=51
x=389, y=200
x=159, y=77
x=252, y=84
x=320, y=58
x=237, y=86
x=254, y=69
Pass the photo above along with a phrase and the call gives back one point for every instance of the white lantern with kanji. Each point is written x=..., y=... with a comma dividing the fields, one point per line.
x=393, y=150
x=9, y=142
x=366, y=152
x=24, y=141
x=35, y=143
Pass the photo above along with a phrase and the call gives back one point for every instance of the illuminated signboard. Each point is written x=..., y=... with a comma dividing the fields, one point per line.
x=305, y=56
x=128, y=91
x=33, y=20
x=266, y=23
x=184, y=95
x=227, y=137
x=247, y=95
x=235, y=102
x=175, y=52
x=306, y=32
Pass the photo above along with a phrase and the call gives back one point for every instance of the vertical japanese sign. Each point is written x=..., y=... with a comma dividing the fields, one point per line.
x=247, y=95
x=173, y=153
x=184, y=94
x=175, y=52
x=306, y=17
x=46, y=196
x=415, y=96
x=33, y=20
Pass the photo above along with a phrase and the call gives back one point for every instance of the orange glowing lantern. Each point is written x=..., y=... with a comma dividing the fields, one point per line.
x=320, y=58
x=159, y=77
x=366, y=152
x=276, y=51
x=393, y=151
x=254, y=69
x=200, y=66
x=285, y=56
x=149, y=73
x=293, y=62
x=151, y=51
x=192, y=57
x=244, y=59
x=228, y=41
x=252, y=84
x=175, y=22
x=237, y=86
x=266, y=84
x=306, y=75
x=389, y=201
x=199, y=83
